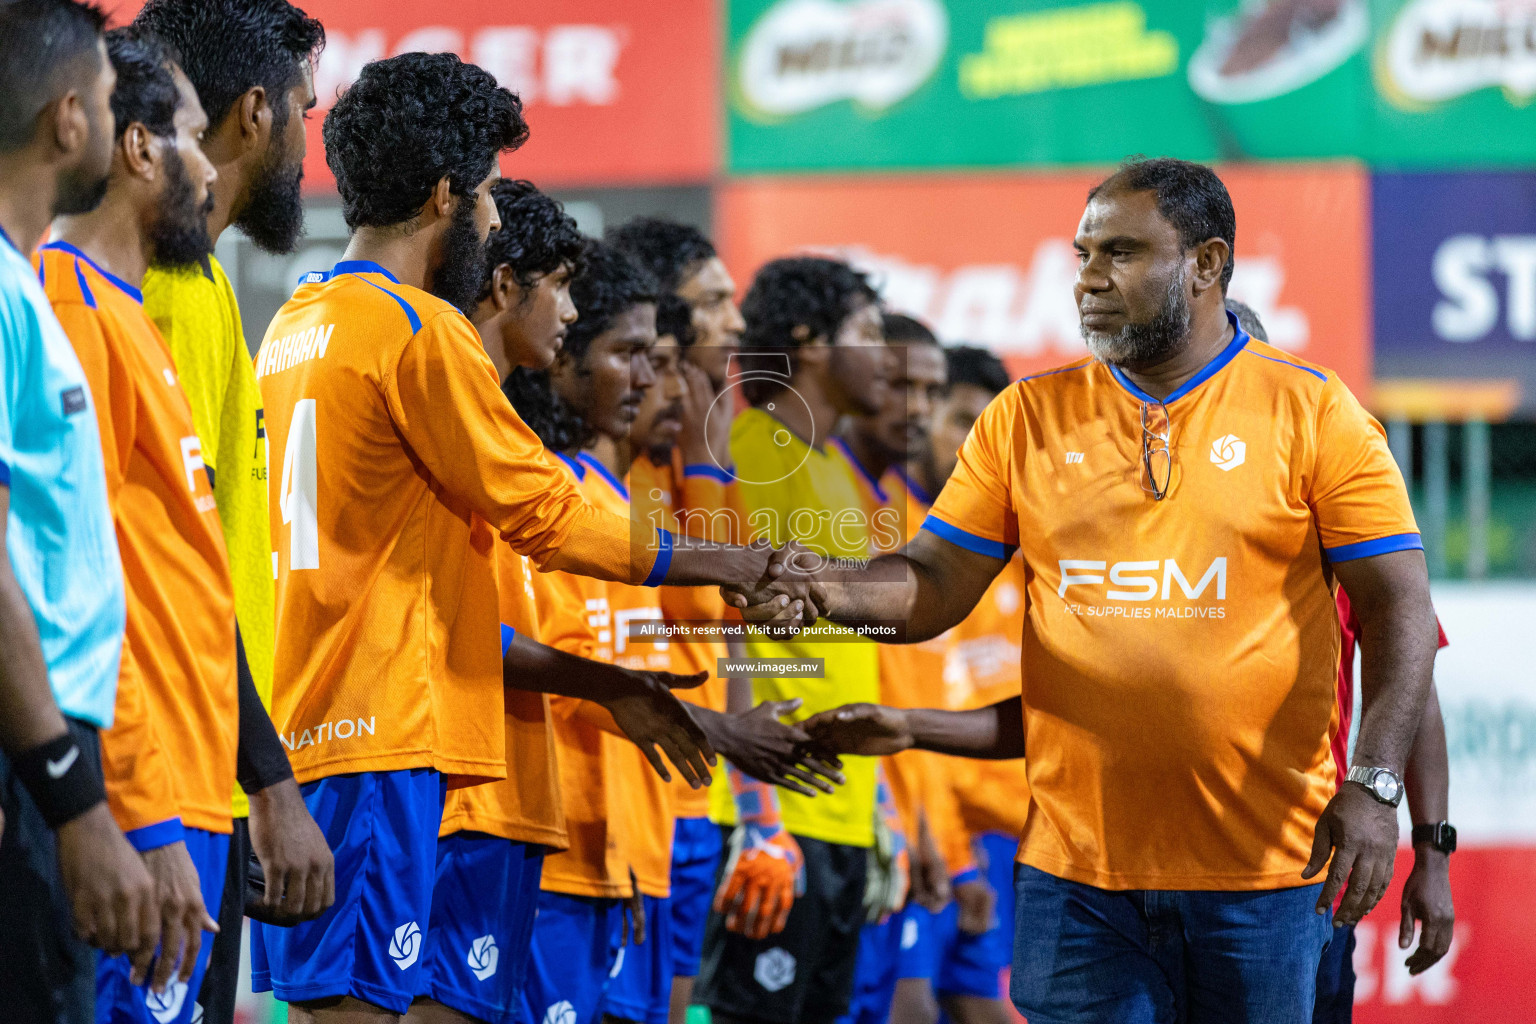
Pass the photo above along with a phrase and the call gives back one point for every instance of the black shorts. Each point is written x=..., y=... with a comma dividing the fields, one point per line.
x=804, y=973
x=221, y=982
x=47, y=975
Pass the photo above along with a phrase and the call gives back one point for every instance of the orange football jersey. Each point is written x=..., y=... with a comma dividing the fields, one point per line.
x=1179, y=656
x=171, y=750
x=526, y=805
x=688, y=500
x=398, y=449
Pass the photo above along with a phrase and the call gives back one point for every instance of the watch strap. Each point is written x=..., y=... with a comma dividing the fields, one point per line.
x=1440, y=835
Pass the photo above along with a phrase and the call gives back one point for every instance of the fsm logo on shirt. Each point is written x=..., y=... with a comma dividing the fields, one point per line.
x=1131, y=582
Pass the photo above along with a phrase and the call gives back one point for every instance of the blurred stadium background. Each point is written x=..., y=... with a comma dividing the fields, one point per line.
x=1382, y=157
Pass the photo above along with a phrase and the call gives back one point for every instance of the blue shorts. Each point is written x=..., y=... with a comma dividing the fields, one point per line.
x=1000, y=850
x=483, y=904
x=1335, y=1002
x=119, y=1001
x=1084, y=955
x=640, y=983
x=575, y=947
x=382, y=828
x=875, y=973
x=697, y=846
x=934, y=949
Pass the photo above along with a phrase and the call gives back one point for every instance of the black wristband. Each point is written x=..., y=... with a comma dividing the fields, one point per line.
x=63, y=778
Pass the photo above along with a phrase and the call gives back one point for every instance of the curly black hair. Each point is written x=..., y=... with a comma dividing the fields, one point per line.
x=409, y=121
x=47, y=47
x=978, y=367
x=900, y=329
x=537, y=236
x=146, y=84
x=664, y=247
x=610, y=283
x=811, y=293
x=229, y=47
x=675, y=317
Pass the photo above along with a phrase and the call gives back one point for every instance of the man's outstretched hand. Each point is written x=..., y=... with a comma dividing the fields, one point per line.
x=869, y=730
x=644, y=709
x=766, y=748
x=788, y=597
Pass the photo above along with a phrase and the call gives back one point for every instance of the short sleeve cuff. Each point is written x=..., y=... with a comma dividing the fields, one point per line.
x=968, y=875
x=508, y=634
x=152, y=837
x=663, y=559
x=5, y=474
x=1379, y=546
x=963, y=539
x=725, y=476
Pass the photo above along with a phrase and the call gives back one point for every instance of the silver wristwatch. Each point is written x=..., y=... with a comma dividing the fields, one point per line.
x=1383, y=783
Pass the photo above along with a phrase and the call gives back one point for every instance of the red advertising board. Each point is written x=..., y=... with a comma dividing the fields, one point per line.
x=614, y=92
x=988, y=259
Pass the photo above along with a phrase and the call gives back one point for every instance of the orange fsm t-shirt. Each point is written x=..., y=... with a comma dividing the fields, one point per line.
x=171, y=750
x=1179, y=656
x=397, y=450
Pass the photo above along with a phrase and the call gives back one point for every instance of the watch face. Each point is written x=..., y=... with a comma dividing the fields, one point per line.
x=1386, y=786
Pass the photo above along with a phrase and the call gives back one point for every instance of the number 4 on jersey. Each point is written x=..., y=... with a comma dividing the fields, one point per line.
x=299, y=489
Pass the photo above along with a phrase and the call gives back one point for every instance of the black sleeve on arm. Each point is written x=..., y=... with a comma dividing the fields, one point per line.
x=259, y=761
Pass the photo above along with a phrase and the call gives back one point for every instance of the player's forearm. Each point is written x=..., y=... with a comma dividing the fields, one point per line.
x=530, y=665
x=893, y=588
x=260, y=760
x=699, y=562
x=992, y=733
x=1427, y=780
x=1397, y=654
x=28, y=715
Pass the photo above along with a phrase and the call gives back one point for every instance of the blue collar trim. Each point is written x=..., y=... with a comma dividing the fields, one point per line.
x=603, y=472
x=575, y=467
x=123, y=286
x=362, y=267
x=1209, y=370
x=913, y=487
x=859, y=467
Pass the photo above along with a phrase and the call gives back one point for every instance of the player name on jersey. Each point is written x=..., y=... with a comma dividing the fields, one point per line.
x=293, y=349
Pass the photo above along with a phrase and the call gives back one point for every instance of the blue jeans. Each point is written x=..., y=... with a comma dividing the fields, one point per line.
x=1083, y=955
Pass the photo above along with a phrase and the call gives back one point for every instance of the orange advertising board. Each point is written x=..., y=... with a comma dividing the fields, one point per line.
x=615, y=93
x=988, y=259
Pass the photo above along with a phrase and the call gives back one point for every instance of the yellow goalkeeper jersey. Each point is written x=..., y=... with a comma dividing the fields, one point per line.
x=196, y=311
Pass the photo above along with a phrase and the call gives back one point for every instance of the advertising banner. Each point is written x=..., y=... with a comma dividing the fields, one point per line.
x=614, y=93
x=988, y=259
x=836, y=84
x=1454, y=281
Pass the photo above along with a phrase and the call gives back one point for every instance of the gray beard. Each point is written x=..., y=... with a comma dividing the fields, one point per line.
x=1148, y=343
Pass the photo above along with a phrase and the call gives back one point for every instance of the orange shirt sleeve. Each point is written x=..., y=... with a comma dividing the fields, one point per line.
x=975, y=509
x=1357, y=491
x=141, y=792
x=442, y=396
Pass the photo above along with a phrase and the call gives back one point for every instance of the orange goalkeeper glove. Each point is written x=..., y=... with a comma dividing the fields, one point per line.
x=765, y=870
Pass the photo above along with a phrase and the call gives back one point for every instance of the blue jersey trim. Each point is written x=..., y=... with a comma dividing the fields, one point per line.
x=913, y=487
x=362, y=267
x=127, y=289
x=410, y=313
x=1379, y=546
x=1295, y=366
x=663, y=561
x=725, y=476
x=5, y=474
x=1209, y=370
x=1052, y=373
x=962, y=539
x=152, y=837
x=968, y=875
x=602, y=471
x=85, y=289
x=853, y=460
x=575, y=467
x=7, y=240
x=508, y=634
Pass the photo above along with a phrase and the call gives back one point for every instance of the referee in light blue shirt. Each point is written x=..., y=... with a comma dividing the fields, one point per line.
x=66, y=872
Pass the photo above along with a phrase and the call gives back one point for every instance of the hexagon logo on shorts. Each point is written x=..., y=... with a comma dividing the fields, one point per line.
x=405, y=947
x=166, y=1006
x=908, y=933
x=483, y=956
x=774, y=969
x=560, y=1013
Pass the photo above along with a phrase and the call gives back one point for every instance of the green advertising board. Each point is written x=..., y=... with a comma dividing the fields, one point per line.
x=834, y=84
